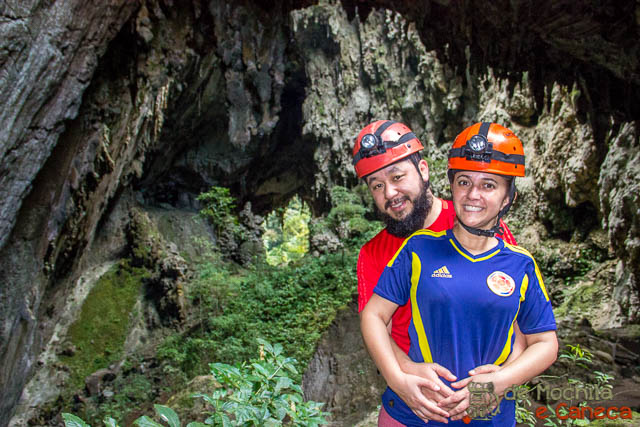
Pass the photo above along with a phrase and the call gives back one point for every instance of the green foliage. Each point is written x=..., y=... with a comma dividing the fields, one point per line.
x=577, y=355
x=293, y=305
x=71, y=420
x=99, y=333
x=218, y=208
x=346, y=205
x=286, y=237
x=289, y=304
x=579, y=358
x=348, y=217
x=523, y=415
x=129, y=390
x=438, y=164
x=260, y=393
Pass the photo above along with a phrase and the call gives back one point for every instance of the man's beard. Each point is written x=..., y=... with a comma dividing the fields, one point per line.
x=415, y=220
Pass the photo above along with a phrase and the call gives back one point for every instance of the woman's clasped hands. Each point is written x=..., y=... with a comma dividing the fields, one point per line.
x=423, y=390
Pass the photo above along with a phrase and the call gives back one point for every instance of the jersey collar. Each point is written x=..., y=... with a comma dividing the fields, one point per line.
x=473, y=258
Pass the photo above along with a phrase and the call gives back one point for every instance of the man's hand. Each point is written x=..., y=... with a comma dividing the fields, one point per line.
x=434, y=390
x=432, y=372
x=411, y=390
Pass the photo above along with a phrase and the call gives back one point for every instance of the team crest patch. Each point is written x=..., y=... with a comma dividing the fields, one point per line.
x=501, y=283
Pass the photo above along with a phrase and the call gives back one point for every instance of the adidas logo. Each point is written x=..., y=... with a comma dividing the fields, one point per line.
x=442, y=272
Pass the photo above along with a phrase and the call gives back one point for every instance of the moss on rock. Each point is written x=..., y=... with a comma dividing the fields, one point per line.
x=99, y=333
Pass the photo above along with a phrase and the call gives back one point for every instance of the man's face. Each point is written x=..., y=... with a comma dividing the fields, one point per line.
x=400, y=194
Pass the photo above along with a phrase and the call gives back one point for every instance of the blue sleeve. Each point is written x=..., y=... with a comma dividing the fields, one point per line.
x=395, y=282
x=536, y=314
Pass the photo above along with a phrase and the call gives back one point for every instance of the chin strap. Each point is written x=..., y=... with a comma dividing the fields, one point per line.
x=496, y=229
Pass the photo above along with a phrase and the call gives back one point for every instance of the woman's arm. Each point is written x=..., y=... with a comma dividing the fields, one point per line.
x=519, y=345
x=373, y=324
x=541, y=352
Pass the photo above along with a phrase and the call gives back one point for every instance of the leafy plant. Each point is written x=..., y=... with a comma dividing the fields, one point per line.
x=577, y=355
x=286, y=237
x=603, y=380
x=349, y=216
x=292, y=304
x=523, y=415
x=260, y=393
x=218, y=208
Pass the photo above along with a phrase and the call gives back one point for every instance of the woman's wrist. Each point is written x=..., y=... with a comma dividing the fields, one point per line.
x=502, y=381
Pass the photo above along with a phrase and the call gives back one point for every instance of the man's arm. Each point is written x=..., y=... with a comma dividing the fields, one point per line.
x=373, y=323
x=368, y=274
x=430, y=371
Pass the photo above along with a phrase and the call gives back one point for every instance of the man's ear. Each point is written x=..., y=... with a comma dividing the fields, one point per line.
x=423, y=167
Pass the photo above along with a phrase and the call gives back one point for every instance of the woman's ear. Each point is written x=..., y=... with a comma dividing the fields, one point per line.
x=506, y=200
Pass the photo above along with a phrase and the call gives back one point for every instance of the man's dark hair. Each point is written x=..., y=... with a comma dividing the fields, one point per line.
x=415, y=159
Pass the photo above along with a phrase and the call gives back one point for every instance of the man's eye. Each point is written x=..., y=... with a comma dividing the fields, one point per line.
x=376, y=186
x=489, y=186
x=398, y=177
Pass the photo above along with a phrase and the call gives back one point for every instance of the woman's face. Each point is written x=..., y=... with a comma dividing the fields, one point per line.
x=478, y=197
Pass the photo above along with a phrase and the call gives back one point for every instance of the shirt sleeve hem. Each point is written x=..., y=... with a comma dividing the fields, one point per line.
x=388, y=296
x=544, y=328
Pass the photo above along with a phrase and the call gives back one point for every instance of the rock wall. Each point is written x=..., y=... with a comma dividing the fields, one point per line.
x=107, y=106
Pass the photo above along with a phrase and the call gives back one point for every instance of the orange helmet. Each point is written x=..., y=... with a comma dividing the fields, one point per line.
x=487, y=147
x=381, y=143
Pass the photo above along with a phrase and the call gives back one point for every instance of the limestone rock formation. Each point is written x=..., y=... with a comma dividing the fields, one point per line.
x=108, y=107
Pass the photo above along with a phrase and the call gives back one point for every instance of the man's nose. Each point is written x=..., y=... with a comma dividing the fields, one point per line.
x=390, y=191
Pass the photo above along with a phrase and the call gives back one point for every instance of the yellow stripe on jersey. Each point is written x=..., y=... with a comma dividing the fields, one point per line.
x=468, y=257
x=523, y=251
x=506, y=350
x=423, y=344
x=417, y=233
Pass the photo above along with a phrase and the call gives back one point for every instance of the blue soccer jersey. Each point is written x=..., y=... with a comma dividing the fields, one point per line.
x=464, y=307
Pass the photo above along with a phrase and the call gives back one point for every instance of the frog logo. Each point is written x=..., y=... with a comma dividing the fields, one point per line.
x=501, y=283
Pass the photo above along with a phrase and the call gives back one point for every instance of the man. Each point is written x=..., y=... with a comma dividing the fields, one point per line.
x=387, y=157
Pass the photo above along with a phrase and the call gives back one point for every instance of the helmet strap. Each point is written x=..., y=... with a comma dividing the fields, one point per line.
x=480, y=231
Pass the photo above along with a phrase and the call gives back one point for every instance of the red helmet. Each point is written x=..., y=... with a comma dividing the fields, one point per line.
x=381, y=143
x=487, y=147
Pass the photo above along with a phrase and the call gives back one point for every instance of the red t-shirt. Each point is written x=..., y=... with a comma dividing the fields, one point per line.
x=376, y=253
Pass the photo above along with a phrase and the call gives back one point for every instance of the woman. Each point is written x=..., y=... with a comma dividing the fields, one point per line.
x=467, y=290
